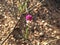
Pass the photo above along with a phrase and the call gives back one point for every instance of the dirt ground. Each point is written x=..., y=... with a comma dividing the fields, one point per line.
x=44, y=29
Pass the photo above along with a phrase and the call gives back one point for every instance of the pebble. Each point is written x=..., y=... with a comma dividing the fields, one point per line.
x=41, y=33
x=45, y=24
x=57, y=37
x=0, y=25
x=55, y=32
x=50, y=29
x=18, y=18
x=43, y=21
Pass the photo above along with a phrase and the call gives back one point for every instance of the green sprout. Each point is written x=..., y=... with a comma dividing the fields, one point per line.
x=28, y=22
x=26, y=33
x=22, y=6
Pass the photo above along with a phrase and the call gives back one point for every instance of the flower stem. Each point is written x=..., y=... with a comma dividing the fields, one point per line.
x=26, y=33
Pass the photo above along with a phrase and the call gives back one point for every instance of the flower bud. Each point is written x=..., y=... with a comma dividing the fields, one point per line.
x=29, y=17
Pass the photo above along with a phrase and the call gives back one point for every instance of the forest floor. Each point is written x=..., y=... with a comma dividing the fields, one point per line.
x=44, y=29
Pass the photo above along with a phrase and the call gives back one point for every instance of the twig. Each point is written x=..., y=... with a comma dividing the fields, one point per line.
x=6, y=38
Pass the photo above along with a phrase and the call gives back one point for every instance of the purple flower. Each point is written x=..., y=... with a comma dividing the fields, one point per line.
x=28, y=17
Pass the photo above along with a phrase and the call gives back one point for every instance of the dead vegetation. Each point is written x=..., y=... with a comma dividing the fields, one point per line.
x=45, y=28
